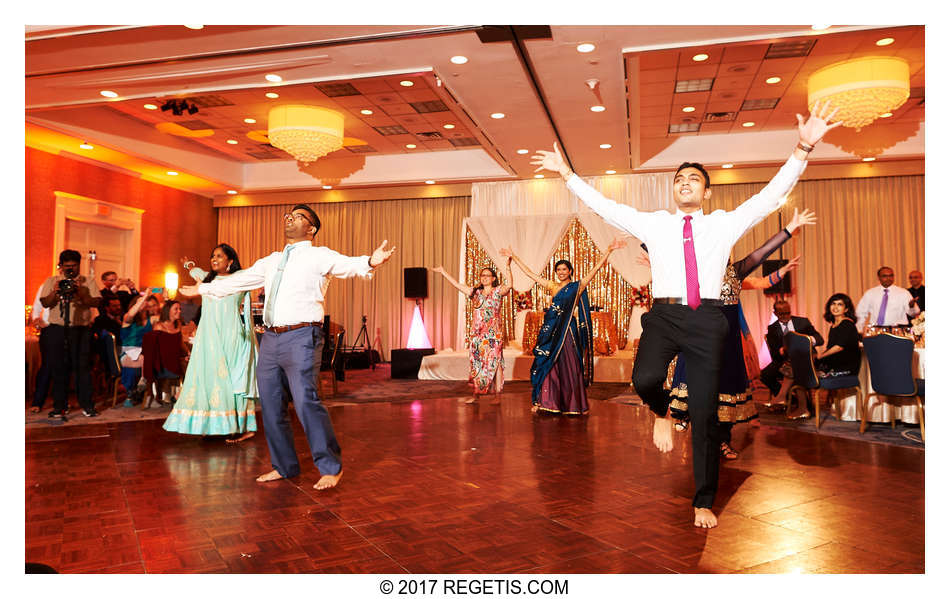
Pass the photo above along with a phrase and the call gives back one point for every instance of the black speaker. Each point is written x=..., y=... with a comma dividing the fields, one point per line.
x=406, y=362
x=783, y=287
x=416, y=282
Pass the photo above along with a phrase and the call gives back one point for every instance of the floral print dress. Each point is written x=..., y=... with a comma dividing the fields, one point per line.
x=486, y=341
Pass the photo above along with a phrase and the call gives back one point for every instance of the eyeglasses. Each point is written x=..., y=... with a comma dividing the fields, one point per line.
x=295, y=216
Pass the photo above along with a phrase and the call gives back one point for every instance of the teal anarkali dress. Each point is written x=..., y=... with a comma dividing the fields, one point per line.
x=220, y=386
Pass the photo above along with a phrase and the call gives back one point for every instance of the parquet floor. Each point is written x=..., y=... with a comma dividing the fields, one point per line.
x=434, y=485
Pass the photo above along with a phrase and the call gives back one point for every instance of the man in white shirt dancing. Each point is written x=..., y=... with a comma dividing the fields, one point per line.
x=688, y=253
x=293, y=282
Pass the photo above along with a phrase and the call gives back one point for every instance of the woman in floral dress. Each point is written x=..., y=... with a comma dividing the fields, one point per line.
x=487, y=337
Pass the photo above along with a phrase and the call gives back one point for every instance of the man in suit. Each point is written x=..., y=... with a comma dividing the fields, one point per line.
x=785, y=322
x=916, y=288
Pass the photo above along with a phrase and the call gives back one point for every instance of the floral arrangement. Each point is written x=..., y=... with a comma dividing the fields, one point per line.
x=641, y=296
x=917, y=325
x=522, y=300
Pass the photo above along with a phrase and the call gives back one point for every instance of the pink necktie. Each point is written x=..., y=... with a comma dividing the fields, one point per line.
x=692, y=274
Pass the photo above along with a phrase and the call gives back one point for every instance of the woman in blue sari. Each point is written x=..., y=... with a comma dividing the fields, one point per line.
x=563, y=355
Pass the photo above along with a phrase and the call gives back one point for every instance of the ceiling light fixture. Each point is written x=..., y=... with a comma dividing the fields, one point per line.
x=885, y=41
x=305, y=132
x=861, y=89
x=728, y=165
x=272, y=95
x=689, y=108
x=585, y=48
x=869, y=159
x=887, y=114
x=597, y=108
x=85, y=145
x=522, y=151
x=109, y=93
x=328, y=187
x=232, y=192
x=273, y=78
x=150, y=107
x=539, y=176
x=700, y=57
x=195, y=26
x=430, y=182
x=233, y=142
x=458, y=59
x=605, y=146
x=366, y=111
x=172, y=173
x=448, y=126
x=411, y=146
x=610, y=172
x=820, y=27
x=406, y=83
x=773, y=80
x=250, y=121
x=498, y=115
x=748, y=124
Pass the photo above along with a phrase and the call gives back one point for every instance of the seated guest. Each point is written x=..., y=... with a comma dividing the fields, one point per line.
x=112, y=287
x=842, y=357
x=916, y=288
x=772, y=374
x=163, y=351
x=136, y=322
x=110, y=317
x=885, y=305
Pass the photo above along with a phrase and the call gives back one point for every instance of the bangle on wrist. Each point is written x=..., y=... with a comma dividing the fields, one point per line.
x=804, y=147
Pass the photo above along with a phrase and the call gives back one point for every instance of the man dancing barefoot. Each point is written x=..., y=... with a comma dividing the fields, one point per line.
x=689, y=251
x=293, y=283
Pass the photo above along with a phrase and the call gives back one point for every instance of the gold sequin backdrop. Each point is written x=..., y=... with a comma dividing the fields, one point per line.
x=608, y=289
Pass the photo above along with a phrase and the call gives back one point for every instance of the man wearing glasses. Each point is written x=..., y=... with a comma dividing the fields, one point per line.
x=293, y=283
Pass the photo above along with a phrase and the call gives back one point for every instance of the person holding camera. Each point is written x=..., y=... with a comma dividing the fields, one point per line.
x=70, y=298
x=112, y=287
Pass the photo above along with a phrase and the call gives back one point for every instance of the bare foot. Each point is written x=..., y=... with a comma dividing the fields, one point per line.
x=534, y=409
x=269, y=477
x=328, y=481
x=704, y=518
x=663, y=434
x=243, y=437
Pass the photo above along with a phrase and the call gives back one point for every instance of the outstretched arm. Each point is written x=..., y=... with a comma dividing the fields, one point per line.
x=524, y=267
x=772, y=279
x=615, y=245
x=462, y=289
x=130, y=315
x=506, y=289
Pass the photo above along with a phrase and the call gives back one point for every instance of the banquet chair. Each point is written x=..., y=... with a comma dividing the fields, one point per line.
x=111, y=362
x=799, y=350
x=890, y=360
x=331, y=361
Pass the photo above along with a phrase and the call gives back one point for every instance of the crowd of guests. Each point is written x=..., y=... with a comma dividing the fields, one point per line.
x=882, y=308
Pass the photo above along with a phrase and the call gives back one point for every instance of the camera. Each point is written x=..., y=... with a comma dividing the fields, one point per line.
x=66, y=289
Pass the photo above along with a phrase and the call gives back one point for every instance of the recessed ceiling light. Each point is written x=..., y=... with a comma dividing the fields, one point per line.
x=611, y=172
x=539, y=176
x=250, y=121
x=366, y=111
x=887, y=41
x=85, y=146
x=748, y=124
x=522, y=151
x=700, y=57
x=820, y=27
x=498, y=115
x=728, y=165
x=605, y=146
x=689, y=108
x=887, y=114
x=411, y=146
x=150, y=107
x=328, y=187
x=109, y=93
x=232, y=192
x=869, y=159
x=273, y=78
x=430, y=182
x=406, y=83
x=195, y=26
x=585, y=48
x=459, y=59
x=773, y=80
x=448, y=126
x=272, y=95
x=172, y=173
x=233, y=142
x=597, y=108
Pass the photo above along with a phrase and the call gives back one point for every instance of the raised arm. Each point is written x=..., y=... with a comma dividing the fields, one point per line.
x=508, y=253
x=772, y=279
x=506, y=289
x=616, y=244
x=133, y=310
x=462, y=288
x=196, y=273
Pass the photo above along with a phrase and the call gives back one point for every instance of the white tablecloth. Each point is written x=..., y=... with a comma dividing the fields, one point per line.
x=903, y=408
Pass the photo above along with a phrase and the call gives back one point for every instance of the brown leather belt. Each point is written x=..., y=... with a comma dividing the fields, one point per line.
x=682, y=301
x=291, y=327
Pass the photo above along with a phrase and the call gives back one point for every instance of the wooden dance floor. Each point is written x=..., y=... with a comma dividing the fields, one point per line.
x=433, y=485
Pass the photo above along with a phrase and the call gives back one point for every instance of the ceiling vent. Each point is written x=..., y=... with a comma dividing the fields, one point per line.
x=694, y=85
x=760, y=104
x=210, y=101
x=361, y=149
x=719, y=117
x=391, y=130
x=431, y=106
x=463, y=141
x=335, y=90
x=793, y=49
x=684, y=128
x=429, y=135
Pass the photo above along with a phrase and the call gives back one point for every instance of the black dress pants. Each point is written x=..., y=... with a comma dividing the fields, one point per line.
x=667, y=330
x=64, y=366
x=772, y=377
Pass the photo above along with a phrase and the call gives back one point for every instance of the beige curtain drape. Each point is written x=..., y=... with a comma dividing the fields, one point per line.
x=426, y=232
x=863, y=224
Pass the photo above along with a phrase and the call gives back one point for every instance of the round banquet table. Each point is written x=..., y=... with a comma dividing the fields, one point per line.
x=879, y=410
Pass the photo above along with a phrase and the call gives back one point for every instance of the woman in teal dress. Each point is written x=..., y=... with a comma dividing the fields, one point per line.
x=217, y=396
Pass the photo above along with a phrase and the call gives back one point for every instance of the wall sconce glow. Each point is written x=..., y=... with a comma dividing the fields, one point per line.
x=885, y=41
x=689, y=108
x=773, y=80
x=250, y=121
x=748, y=124
x=458, y=59
x=700, y=57
x=85, y=146
x=610, y=172
x=498, y=115
x=523, y=151
x=406, y=83
x=172, y=173
x=233, y=142
x=150, y=107
x=366, y=111
x=728, y=165
x=232, y=192
x=585, y=48
x=448, y=126
x=171, y=284
x=272, y=95
x=597, y=108
x=108, y=93
x=430, y=182
x=411, y=146
x=605, y=146
x=418, y=338
x=273, y=78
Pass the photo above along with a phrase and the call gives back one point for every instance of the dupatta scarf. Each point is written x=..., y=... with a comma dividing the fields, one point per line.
x=558, y=322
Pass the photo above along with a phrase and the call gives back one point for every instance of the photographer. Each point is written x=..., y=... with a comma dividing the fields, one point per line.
x=70, y=297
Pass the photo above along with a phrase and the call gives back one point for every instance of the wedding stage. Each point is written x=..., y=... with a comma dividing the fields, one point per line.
x=450, y=365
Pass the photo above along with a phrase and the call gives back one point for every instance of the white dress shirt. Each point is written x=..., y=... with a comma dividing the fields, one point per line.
x=897, y=309
x=39, y=310
x=714, y=234
x=300, y=294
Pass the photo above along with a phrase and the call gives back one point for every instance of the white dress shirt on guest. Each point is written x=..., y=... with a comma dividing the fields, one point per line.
x=300, y=294
x=714, y=234
x=897, y=309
